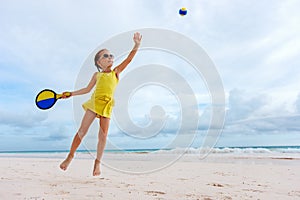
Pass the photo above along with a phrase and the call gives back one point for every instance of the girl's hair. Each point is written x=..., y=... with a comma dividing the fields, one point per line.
x=97, y=56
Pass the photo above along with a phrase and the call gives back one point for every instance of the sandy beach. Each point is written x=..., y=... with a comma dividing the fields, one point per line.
x=216, y=177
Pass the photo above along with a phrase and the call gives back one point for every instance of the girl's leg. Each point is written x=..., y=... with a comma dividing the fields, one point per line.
x=102, y=135
x=87, y=120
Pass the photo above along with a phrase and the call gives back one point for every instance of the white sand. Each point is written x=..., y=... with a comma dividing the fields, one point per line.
x=217, y=177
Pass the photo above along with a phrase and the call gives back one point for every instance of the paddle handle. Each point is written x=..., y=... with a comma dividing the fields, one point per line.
x=59, y=96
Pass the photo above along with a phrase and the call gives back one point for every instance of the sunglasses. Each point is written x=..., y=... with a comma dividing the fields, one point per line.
x=107, y=55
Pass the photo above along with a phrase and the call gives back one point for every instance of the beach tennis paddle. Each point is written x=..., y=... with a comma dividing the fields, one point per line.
x=47, y=98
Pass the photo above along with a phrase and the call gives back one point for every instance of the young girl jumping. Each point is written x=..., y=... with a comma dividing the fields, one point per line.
x=101, y=102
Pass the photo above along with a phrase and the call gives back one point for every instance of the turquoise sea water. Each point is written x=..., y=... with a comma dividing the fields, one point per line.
x=248, y=149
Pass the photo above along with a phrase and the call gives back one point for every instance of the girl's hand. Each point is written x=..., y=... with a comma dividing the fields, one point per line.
x=66, y=95
x=137, y=37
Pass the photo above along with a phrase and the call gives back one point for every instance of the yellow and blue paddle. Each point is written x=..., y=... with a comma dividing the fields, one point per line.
x=47, y=98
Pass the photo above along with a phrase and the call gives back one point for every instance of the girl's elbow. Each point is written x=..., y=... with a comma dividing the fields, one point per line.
x=88, y=90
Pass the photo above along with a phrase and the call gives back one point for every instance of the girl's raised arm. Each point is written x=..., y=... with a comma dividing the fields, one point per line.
x=137, y=37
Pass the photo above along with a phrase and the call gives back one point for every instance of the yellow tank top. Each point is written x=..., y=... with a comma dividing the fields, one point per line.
x=106, y=84
x=102, y=101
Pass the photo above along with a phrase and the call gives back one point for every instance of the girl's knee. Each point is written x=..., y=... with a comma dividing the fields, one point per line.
x=81, y=133
x=103, y=134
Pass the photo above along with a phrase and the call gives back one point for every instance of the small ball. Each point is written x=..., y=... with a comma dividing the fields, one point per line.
x=182, y=11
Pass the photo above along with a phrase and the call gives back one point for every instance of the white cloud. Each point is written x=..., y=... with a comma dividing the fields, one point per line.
x=297, y=104
x=261, y=114
x=21, y=119
x=242, y=105
x=289, y=50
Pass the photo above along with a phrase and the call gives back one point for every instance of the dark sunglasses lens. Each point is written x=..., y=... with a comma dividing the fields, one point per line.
x=105, y=55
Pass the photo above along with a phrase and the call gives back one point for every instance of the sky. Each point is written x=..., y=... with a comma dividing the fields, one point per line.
x=254, y=46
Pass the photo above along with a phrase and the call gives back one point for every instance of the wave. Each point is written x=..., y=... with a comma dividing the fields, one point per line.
x=191, y=150
x=231, y=150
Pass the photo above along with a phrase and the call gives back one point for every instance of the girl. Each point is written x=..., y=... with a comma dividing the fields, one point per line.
x=101, y=103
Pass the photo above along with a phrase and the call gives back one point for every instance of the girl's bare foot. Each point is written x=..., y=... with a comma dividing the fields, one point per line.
x=64, y=165
x=96, y=171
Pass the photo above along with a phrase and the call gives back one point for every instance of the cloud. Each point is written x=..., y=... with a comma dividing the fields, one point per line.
x=21, y=120
x=257, y=113
x=274, y=125
x=297, y=104
x=242, y=105
x=268, y=40
x=58, y=132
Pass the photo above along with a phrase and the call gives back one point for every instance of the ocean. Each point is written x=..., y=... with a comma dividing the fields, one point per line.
x=215, y=150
